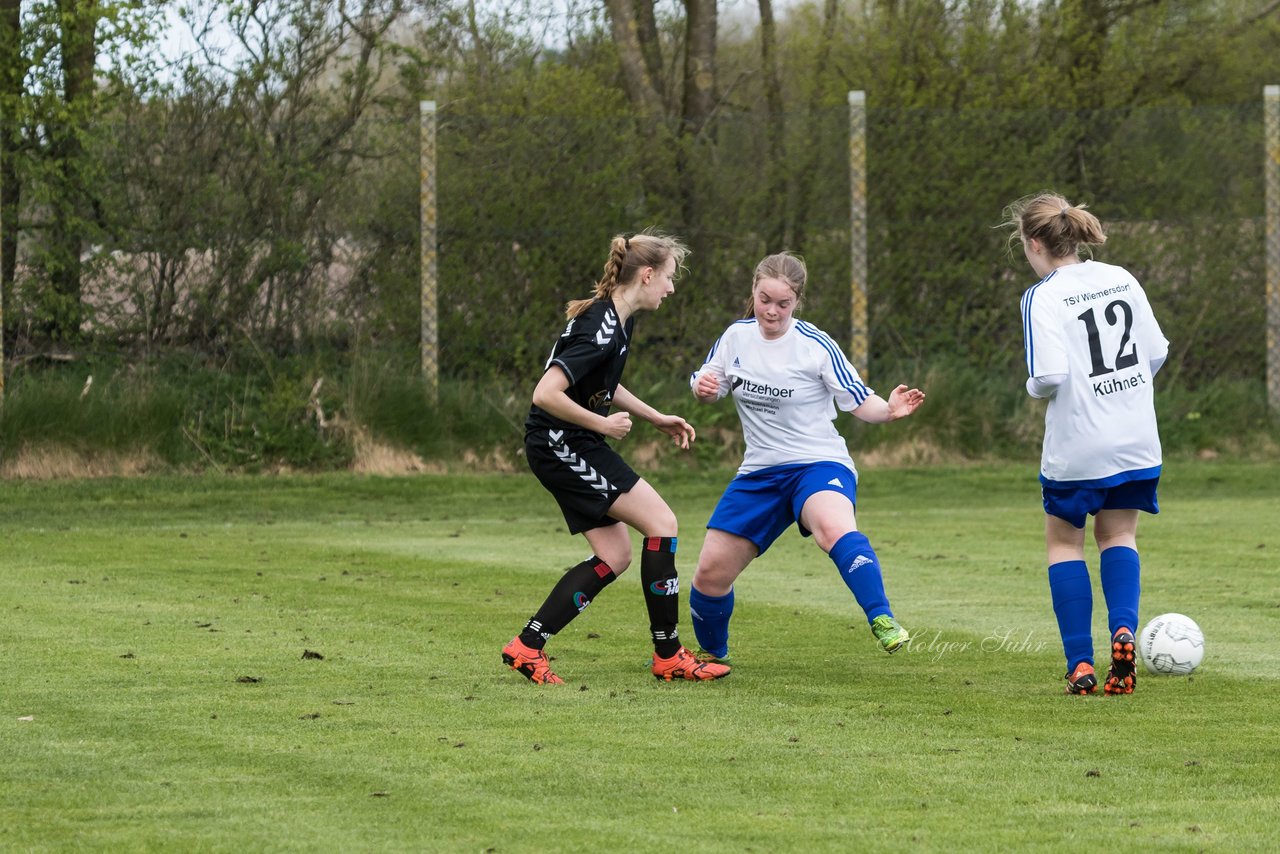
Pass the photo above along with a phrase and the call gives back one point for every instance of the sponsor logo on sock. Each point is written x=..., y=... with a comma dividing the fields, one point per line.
x=693, y=612
x=581, y=600
x=860, y=560
x=665, y=587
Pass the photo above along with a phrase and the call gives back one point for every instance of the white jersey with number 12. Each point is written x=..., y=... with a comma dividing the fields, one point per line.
x=1092, y=323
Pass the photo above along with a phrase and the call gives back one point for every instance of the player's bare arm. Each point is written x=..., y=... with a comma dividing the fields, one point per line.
x=550, y=396
x=902, y=402
x=680, y=431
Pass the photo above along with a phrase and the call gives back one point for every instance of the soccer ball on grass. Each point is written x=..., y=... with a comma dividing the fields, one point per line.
x=1172, y=644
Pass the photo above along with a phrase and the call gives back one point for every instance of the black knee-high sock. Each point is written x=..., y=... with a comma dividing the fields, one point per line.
x=573, y=592
x=661, y=592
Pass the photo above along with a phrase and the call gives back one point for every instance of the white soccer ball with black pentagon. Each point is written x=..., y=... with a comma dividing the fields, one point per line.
x=1172, y=644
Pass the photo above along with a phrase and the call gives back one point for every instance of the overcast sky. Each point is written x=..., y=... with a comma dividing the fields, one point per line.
x=735, y=17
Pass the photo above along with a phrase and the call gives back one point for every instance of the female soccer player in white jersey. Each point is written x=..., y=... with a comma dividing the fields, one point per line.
x=787, y=378
x=597, y=491
x=1093, y=347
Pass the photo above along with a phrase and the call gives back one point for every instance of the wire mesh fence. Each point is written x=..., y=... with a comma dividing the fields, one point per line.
x=203, y=230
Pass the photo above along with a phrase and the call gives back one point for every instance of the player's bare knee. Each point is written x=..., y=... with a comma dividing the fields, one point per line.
x=826, y=536
x=701, y=578
x=713, y=579
x=661, y=524
x=618, y=560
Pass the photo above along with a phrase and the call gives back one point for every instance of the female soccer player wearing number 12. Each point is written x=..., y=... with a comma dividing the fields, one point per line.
x=1093, y=348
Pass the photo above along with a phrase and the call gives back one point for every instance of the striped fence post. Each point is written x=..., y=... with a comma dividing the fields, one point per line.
x=858, y=333
x=428, y=266
x=1271, y=110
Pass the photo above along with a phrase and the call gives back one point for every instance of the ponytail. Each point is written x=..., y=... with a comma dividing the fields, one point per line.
x=1061, y=227
x=628, y=255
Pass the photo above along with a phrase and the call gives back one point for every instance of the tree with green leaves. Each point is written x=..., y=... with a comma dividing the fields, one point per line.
x=66, y=62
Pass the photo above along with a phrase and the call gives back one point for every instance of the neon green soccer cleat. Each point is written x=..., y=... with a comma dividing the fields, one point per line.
x=703, y=655
x=889, y=632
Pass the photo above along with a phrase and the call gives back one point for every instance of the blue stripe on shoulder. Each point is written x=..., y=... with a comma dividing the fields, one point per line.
x=846, y=379
x=1027, y=343
x=716, y=345
x=1027, y=336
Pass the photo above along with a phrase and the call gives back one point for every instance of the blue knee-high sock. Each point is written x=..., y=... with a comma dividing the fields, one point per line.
x=1073, y=604
x=860, y=569
x=711, y=620
x=1121, y=585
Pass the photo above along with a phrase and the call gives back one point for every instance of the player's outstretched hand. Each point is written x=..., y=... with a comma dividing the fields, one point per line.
x=617, y=425
x=680, y=431
x=904, y=401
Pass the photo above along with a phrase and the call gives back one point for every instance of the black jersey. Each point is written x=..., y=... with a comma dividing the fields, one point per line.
x=592, y=351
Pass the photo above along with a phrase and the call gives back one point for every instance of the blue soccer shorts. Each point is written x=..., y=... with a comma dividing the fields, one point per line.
x=1074, y=503
x=760, y=505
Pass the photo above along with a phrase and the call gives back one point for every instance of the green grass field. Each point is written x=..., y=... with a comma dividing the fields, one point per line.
x=158, y=694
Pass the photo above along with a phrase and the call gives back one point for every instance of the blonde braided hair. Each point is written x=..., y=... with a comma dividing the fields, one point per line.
x=628, y=255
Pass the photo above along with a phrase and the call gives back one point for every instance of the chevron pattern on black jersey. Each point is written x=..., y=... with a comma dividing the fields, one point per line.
x=608, y=328
x=576, y=463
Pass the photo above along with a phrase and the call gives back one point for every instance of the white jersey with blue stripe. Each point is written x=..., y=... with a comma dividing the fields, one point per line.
x=787, y=391
x=1091, y=324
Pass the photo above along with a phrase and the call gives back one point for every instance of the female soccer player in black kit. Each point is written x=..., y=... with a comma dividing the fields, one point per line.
x=597, y=491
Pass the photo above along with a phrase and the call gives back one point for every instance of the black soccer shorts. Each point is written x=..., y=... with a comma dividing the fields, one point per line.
x=583, y=474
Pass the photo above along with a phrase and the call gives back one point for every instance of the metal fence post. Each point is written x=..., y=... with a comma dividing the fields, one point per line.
x=858, y=334
x=428, y=267
x=1271, y=109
